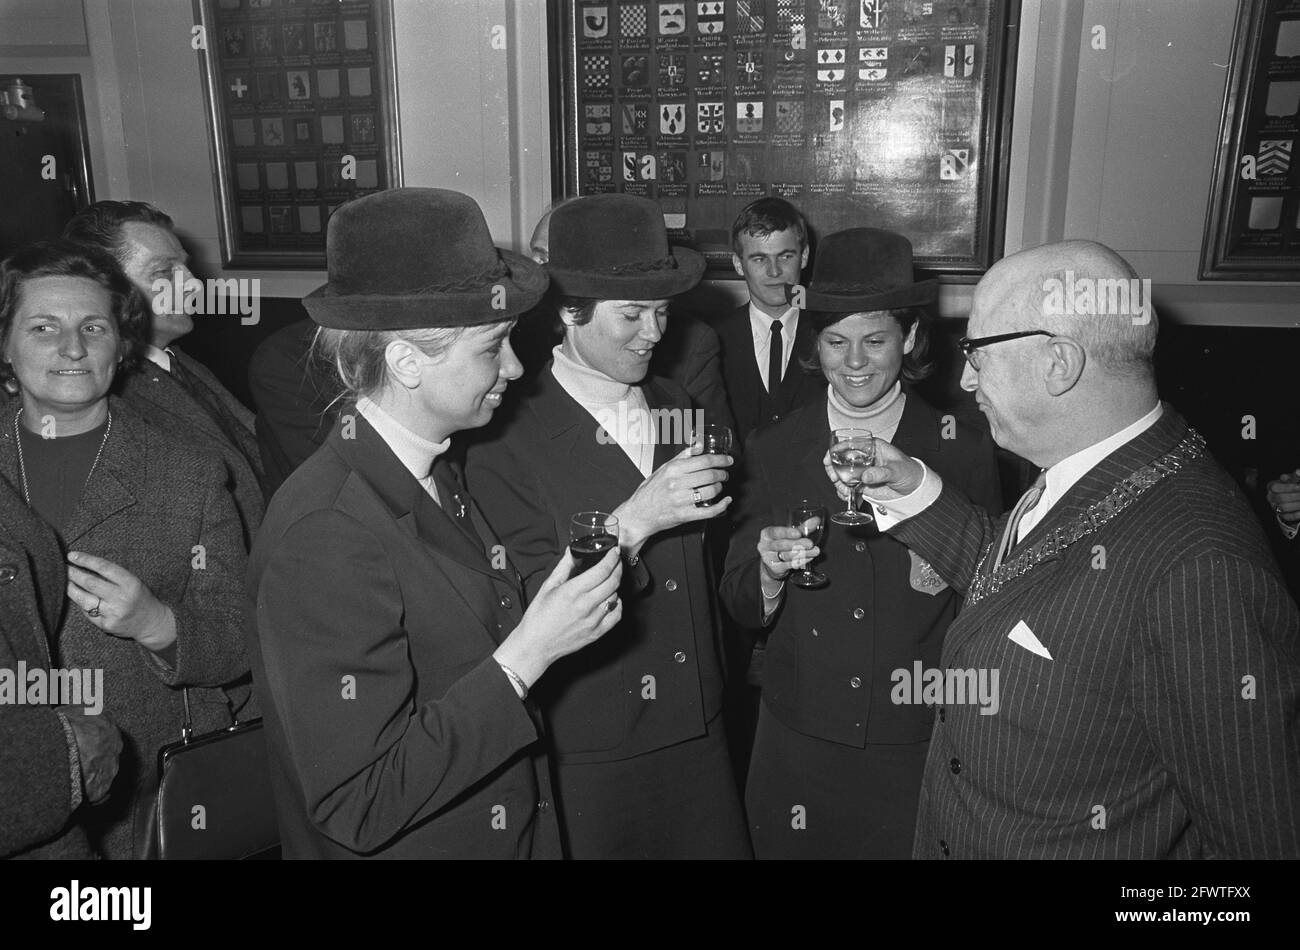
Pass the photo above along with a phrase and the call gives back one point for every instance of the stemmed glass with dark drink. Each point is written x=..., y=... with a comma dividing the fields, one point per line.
x=717, y=440
x=810, y=518
x=853, y=451
x=591, y=535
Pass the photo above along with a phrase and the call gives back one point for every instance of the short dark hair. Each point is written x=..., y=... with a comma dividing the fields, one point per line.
x=917, y=365
x=768, y=216
x=101, y=224
x=585, y=307
x=66, y=258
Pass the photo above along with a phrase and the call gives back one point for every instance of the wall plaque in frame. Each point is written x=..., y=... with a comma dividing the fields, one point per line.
x=301, y=99
x=885, y=113
x=1252, y=231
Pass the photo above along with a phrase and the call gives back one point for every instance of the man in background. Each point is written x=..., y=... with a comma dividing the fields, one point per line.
x=172, y=390
x=763, y=339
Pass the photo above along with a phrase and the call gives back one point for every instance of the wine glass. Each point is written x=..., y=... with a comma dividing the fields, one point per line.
x=810, y=518
x=717, y=440
x=853, y=451
x=591, y=535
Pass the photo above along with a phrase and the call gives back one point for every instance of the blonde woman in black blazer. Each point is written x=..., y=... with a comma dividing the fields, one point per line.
x=153, y=541
x=394, y=654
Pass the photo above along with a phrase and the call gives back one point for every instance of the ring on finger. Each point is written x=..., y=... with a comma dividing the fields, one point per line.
x=94, y=611
x=696, y=496
x=611, y=604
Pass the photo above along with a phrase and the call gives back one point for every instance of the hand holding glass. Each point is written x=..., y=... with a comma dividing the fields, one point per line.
x=853, y=451
x=717, y=440
x=591, y=535
x=810, y=519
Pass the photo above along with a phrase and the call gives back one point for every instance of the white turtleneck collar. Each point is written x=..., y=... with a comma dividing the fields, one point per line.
x=414, y=451
x=620, y=409
x=588, y=386
x=881, y=417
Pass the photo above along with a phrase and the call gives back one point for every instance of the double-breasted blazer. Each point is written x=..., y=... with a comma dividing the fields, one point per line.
x=751, y=404
x=160, y=509
x=1149, y=677
x=36, y=780
x=392, y=731
x=545, y=463
x=161, y=399
x=831, y=651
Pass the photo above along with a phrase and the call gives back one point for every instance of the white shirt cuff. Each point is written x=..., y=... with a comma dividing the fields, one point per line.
x=889, y=512
x=1289, y=531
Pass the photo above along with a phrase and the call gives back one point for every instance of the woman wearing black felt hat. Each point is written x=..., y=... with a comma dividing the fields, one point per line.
x=393, y=653
x=641, y=759
x=836, y=767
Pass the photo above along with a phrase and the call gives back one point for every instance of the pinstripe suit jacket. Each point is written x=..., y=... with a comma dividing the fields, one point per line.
x=1166, y=723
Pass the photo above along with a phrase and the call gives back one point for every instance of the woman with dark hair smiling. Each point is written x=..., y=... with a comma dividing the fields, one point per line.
x=152, y=538
x=836, y=768
x=641, y=756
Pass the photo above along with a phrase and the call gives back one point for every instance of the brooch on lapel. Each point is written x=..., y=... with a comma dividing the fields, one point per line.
x=923, y=577
x=460, y=505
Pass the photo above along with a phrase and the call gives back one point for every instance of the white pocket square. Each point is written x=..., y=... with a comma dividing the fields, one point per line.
x=1023, y=636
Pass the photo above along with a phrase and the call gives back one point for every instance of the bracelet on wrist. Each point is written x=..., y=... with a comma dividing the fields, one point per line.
x=516, y=680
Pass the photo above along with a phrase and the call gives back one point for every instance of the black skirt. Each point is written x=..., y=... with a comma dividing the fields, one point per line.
x=814, y=799
x=677, y=802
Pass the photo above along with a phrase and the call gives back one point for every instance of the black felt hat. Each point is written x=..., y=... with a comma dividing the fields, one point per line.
x=410, y=258
x=864, y=269
x=615, y=247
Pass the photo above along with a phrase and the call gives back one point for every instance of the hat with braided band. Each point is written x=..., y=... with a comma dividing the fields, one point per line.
x=615, y=247
x=411, y=258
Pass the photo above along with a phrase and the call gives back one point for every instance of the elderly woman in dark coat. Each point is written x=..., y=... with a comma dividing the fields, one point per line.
x=837, y=761
x=153, y=543
x=395, y=656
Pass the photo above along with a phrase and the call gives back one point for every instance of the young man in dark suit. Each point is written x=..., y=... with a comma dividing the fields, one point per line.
x=763, y=340
x=1148, y=698
x=172, y=390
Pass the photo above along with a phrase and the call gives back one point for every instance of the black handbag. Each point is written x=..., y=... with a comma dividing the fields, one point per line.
x=214, y=797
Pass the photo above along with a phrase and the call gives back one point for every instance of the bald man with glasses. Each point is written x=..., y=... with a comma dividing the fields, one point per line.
x=1148, y=655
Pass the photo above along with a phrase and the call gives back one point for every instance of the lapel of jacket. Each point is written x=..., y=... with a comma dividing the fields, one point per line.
x=1095, y=485
x=918, y=431
x=157, y=387
x=18, y=527
x=410, y=505
x=578, y=438
x=796, y=378
x=109, y=488
x=740, y=366
x=658, y=398
x=811, y=442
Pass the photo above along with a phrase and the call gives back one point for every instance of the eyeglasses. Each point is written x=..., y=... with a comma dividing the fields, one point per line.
x=968, y=346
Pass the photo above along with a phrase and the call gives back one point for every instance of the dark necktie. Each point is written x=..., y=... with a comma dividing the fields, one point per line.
x=775, y=351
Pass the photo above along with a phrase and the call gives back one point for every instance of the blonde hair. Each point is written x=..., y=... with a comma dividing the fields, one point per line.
x=357, y=356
